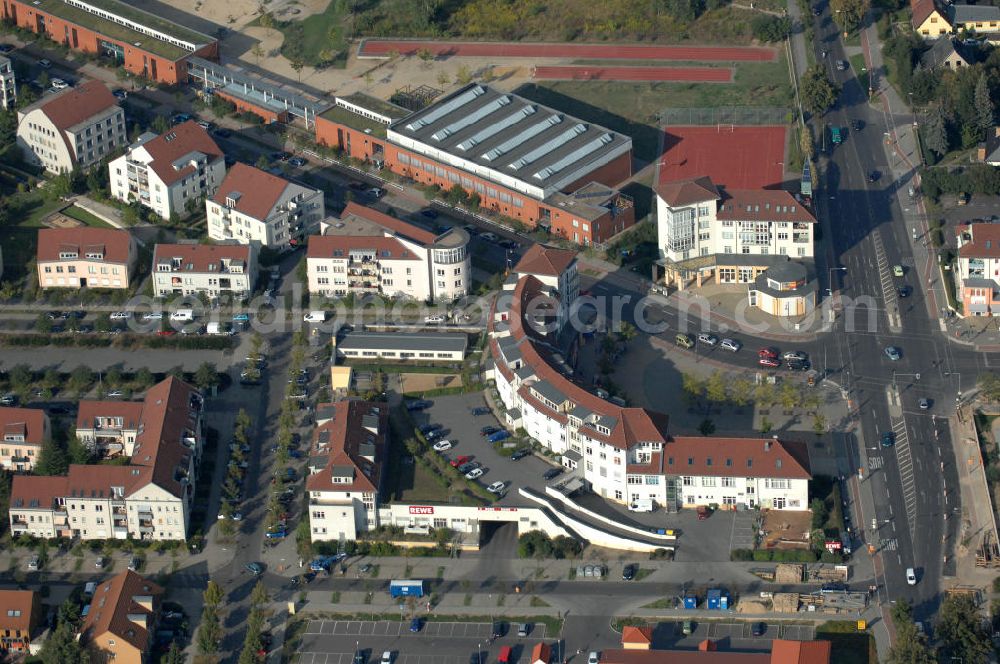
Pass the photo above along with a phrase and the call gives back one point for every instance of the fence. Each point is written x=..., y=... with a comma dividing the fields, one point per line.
x=742, y=115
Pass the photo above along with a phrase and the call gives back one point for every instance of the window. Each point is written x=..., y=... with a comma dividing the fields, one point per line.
x=708, y=481
x=687, y=481
x=729, y=481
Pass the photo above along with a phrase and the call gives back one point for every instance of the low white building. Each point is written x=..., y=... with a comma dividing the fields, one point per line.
x=150, y=498
x=76, y=127
x=366, y=251
x=212, y=269
x=252, y=206
x=170, y=173
x=8, y=84
x=625, y=454
x=416, y=346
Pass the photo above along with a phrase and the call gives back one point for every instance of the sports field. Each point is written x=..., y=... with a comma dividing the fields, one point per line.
x=592, y=73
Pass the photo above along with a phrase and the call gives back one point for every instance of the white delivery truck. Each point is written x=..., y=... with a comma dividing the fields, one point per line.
x=219, y=328
x=183, y=315
x=641, y=505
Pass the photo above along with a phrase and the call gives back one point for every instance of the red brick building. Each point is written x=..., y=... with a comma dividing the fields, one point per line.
x=523, y=160
x=145, y=44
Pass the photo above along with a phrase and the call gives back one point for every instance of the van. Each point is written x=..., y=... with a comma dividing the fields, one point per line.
x=90, y=589
x=642, y=505
x=183, y=315
x=684, y=340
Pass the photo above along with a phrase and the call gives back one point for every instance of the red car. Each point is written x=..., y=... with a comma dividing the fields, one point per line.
x=768, y=362
x=455, y=463
x=166, y=333
x=768, y=352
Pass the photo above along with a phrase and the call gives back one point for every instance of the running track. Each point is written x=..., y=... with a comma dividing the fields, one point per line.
x=383, y=47
x=699, y=74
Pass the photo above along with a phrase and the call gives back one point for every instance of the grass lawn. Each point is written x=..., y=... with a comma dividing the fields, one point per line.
x=860, y=69
x=28, y=209
x=314, y=34
x=80, y=214
x=849, y=646
x=19, y=245
x=633, y=108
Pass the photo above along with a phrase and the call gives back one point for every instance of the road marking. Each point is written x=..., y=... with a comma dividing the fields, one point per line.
x=888, y=286
x=875, y=462
x=890, y=544
x=904, y=463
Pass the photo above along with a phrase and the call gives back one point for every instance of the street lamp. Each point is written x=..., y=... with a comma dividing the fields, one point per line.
x=830, y=275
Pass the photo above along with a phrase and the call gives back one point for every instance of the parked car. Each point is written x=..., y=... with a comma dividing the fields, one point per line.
x=708, y=339
x=897, y=270
x=523, y=629
x=416, y=624
x=442, y=446
x=58, y=84
x=520, y=454
x=474, y=474
x=758, y=629
x=629, y=572
x=892, y=353
x=925, y=404
x=34, y=563
x=489, y=430
x=461, y=460
x=731, y=345
x=417, y=404
x=794, y=355
x=376, y=192
x=498, y=436
x=435, y=318
x=44, y=63
x=120, y=315
x=497, y=487
x=255, y=568
x=552, y=473
x=297, y=162
x=769, y=352
x=768, y=362
x=480, y=410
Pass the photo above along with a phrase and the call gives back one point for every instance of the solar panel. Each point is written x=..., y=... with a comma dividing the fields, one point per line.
x=471, y=118
x=446, y=108
x=574, y=156
x=496, y=128
x=525, y=135
x=549, y=146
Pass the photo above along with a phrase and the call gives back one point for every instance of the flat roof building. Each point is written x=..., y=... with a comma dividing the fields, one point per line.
x=421, y=346
x=143, y=43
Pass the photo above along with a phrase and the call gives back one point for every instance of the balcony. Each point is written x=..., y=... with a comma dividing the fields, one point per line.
x=18, y=527
x=801, y=238
x=120, y=532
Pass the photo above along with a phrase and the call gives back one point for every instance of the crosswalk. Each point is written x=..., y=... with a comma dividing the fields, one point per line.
x=888, y=285
x=904, y=460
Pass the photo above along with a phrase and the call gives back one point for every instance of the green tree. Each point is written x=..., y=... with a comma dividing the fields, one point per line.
x=213, y=594
x=693, y=386
x=263, y=162
x=210, y=631
x=113, y=377
x=175, y=655
x=849, y=13
x=20, y=376
x=936, y=130
x=297, y=64
x=707, y=427
x=740, y=391
x=62, y=647
x=76, y=451
x=960, y=630
x=464, y=75
x=43, y=324
x=257, y=51
x=160, y=124
x=259, y=595
x=143, y=378
x=715, y=387
x=984, y=105
x=80, y=379
x=817, y=92
x=819, y=513
x=206, y=377
x=52, y=459
x=989, y=386
x=266, y=21
x=768, y=28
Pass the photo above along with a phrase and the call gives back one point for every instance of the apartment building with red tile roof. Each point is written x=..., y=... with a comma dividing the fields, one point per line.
x=978, y=269
x=24, y=431
x=21, y=616
x=211, y=269
x=85, y=257
x=76, y=127
x=782, y=652
x=169, y=173
x=122, y=618
x=149, y=498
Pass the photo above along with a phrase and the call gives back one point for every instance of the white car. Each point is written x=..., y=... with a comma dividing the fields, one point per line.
x=120, y=315
x=58, y=84
x=436, y=318
x=153, y=315
x=475, y=473
x=115, y=394
x=497, y=487
x=593, y=658
x=386, y=657
x=314, y=317
x=442, y=446
x=911, y=576
x=708, y=339
x=731, y=345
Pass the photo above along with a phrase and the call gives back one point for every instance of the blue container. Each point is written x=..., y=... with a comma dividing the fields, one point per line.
x=713, y=599
x=690, y=601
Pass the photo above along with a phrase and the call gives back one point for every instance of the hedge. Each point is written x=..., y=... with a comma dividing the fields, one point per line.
x=773, y=555
x=125, y=341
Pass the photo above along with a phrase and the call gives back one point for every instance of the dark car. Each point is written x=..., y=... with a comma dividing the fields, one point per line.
x=280, y=156
x=430, y=214
x=499, y=629
x=857, y=125
x=416, y=624
x=629, y=572
x=520, y=454
x=799, y=365
x=6, y=48
x=758, y=629
x=904, y=291
x=888, y=439
x=480, y=410
x=417, y=404
x=489, y=430
x=552, y=473
x=874, y=176
x=428, y=428
x=222, y=132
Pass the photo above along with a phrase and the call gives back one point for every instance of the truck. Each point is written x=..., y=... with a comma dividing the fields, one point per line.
x=641, y=505
x=406, y=588
x=219, y=328
x=835, y=136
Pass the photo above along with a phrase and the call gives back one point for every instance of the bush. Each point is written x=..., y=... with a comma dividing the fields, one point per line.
x=740, y=555
x=771, y=28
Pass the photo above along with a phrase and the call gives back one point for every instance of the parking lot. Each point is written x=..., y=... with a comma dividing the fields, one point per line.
x=335, y=641
x=462, y=429
x=739, y=635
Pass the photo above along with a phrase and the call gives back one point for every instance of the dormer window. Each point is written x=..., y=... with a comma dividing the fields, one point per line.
x=233, y=198
x=95, y=256
x=68, y=254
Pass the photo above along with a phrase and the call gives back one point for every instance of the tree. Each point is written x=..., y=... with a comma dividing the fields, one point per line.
x=818, y=93
x=961, y=632
x=707, y=427
x=297, y=64
x=77, y=451
x=43, y=80
x=989, y=386
x=715, y=387
x=768, y=28
x=160, y=124
x=20, y=376
x=143, y=378
x=51, y=460
x=62, y=646
x=206, y=377
x=819, y=424
x=175, y=655
x=43, y=325
x=819, y=513
x=257, y=51
x=464, y=75
x=213, y=594
x=984, y=105
x=259, y=595
x=443, y=78
x=911, y=646
x=936, y=130
x=740, y=391
x=210, y=631
x=849, y=13
x=266, y=21
x=263, y=162
x=693, y=386
x=80, y=379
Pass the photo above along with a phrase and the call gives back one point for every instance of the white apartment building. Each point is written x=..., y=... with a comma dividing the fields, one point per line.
x=346, y=462
x=76, y=127
x=978, y=269
x=367, y=251
x=213, y=269
x=734, y=234
x=626, y=454
x=8, y=84
x=24, y=430
x=169, y=173
x=149, y=499
x=252, y=206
